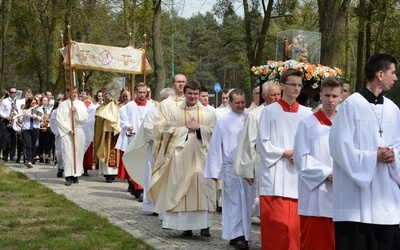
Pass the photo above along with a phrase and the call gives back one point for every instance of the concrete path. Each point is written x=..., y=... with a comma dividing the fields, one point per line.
x=112, y=200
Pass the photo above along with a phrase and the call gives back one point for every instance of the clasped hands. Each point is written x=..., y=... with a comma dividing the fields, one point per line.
x=385, y=154
x=192, y=125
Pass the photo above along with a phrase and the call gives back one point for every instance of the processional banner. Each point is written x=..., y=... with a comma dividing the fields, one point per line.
x=86, y=56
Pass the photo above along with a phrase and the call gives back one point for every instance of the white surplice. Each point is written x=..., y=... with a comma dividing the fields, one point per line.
x=64, y=128
x=365, y=190
x=128, y=116
x=276, y=133
x=237, y=193
x=138, y=155
x=313, y=164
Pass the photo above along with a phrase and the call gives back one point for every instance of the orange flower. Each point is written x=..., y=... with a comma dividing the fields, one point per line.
x=284, y=69
x=308, y=76
x=331, y=72
x=339, y=71
x=280, y=64
x=322, y=73
x=253, y=69
x=265, y=72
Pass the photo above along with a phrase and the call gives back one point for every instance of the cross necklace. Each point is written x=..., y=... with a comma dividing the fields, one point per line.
x=379, y=122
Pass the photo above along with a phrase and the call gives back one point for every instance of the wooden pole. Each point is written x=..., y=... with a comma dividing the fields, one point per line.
x=144, y=59
x=71, y=96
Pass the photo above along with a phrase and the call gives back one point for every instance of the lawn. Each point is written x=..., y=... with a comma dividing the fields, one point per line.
x=34, y=217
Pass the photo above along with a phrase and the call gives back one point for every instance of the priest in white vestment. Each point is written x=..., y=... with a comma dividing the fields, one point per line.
x=364, y=141
x=314, y=166
x=237, y=193
x=73, y=163
x=177, y=187
x=247, y=159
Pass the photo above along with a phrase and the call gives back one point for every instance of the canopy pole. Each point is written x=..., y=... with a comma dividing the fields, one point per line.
x=144, y=59
x=71, y=96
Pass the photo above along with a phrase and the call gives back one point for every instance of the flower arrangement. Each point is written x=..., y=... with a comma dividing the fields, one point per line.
x=313, y=74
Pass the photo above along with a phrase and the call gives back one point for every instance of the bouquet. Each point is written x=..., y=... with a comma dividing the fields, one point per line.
x=313, y=74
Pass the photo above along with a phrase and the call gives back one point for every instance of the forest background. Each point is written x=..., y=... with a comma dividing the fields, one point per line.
x=219, y=46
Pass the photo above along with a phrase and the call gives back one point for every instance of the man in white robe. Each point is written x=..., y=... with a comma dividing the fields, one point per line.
x=280, y=222
x=138, y=155
x=364, y=143
x=236, y=215
x=163, y=110
x=314, y=166
x=73, y=167
x=177, y=187
x=256, y=99
x=247, y=159
x=224, y=108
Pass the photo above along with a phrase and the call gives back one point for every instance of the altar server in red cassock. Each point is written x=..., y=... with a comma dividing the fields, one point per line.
x=314, y=166
x=280, y=223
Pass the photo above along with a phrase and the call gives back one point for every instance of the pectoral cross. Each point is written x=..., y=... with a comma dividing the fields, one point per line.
x=380, y=131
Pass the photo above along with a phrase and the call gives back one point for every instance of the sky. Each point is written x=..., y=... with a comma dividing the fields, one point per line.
x=189, y=8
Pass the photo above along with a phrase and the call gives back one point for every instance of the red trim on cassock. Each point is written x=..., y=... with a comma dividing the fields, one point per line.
x=141, y=103
x=322, y=118
x=287, y=108
x=88, y=158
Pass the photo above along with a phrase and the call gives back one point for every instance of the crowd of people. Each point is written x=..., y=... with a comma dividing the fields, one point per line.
x=326, y=178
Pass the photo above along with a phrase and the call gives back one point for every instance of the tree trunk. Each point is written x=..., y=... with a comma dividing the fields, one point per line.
x=159, y=68
x=360, y=48
x=332, y=19
x=5, y=10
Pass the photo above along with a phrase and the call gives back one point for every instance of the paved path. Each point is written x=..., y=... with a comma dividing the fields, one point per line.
x=122, y=209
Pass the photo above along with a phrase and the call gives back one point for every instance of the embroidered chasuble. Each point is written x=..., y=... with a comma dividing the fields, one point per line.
x=163, y=110
x=177, y=183
x=106, y=134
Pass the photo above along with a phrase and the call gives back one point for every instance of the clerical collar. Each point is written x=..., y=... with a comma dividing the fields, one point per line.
x=141, y=103
x=287, y=108
x=322, y=118
x=370, y=97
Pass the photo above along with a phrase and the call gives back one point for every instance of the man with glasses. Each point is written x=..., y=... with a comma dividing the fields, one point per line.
x=164, y=109
x=8, y=108
x=280, y=227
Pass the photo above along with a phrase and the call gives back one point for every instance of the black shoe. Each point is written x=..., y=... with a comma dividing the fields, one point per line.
x=17, y=160
x=41, y=160
x=5, y=159
x=141, y=197
x=242, y=245
x=137, y=193
x=68, y=183
x=59, y=173
x=47, y=161
x=188, y=233
x=75, y=180
x=85, y=172
x=205, y=232
x=233, y=242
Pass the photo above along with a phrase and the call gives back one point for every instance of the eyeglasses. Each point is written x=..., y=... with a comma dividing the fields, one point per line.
x=180, y=81
x=13, y=92
x=294, y=85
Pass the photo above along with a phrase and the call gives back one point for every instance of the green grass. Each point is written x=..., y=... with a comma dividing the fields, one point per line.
x=34, y=217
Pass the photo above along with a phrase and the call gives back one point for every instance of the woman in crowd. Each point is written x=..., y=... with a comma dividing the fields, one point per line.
x=30, y=120
x=46, y=137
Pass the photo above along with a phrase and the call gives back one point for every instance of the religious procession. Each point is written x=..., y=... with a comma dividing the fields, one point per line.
x=321, y=177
